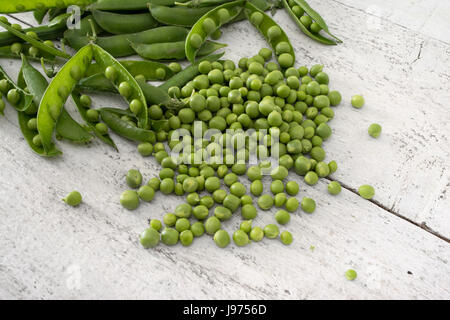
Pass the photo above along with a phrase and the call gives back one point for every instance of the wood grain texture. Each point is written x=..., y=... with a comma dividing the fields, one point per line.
x=49, y=250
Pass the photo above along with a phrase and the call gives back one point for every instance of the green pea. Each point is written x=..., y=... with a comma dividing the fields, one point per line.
x=271, y=231
x=200, y=212
x=248, y=211
x=366, y=191
x=167, y=186
x=286, y=237
x=16, y=48
x=317, y=153
x=222, y=238
x=149, y=238
x=13, y=96
x=277, y=186
x=178, y=190
x=335, y=98
x=134, y=178
x=256, y=234
x=146, y=193
x=129, y=199
x=193, y=198
x=37, y=140
x=125, y=89
x=311, y=178
x=357, y=101
x=4, y=85
x=285, y=60
x=197, y=229
x=265, y=53
x=308, y=205
x=222, y=213
x=292, y=204
x=212, y=224
x=374, y=130
x=265, y=202
x=240, y=238
x=155, y=224
x=280, y=199
x=207, y=201
x=282, y=217
x=92, y=115
x=279, y=173
x=154, y=183
x=169, y=236
x=256, y=188
x=256, y=18
x=101, y=128
x=246, y=199
x=182, y=224
x=196, y=40
x=33, y=51
x=183, y=210
x=31, y=124
x=85, y=101
x=73, y=198
x=110, y=73
x=351, y=274
x=175, y=67
x=169, y=219
x=135, y=106
x=186, y=237
x=322, y=169
x=190, y=184
x=334, y=188
x=238, y=189
x=219, y=195
x=231, y=202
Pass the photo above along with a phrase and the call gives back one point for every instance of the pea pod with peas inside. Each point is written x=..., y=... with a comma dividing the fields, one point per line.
x=151, y=70
x=273, y=33
x=29, y=5
x=156, y=95
x=208, y=24
x=118, y=23
x=58, y=91
x=178, y=16
x=123, y=128
x=41, y=46
x=10, y=53
x=172, y=50
x=309, y=21
x=15, y=95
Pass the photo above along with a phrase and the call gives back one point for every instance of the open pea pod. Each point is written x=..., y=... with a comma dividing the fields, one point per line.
x=265, y=25
x=112, y=119
x=58, y=91
x=151, y=70
x=20, y=100
x=66, y=126
x=188, y=73
x=83, y=112
x=316, y=17
x=28, y=5
x=34, y=42
x=96, y=82
x=120, y=75
x=209, y=23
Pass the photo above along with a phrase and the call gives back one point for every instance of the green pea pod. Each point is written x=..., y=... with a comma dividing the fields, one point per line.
x=188, y=73
x=29, y=5
x=39, y=14
x=172, y=50
x=178, y=16
x=117, y=23
x=316, y=17
x=25, y=99
x=71, y=130
x=217, y=17
x=120, y=5
x=43, y=33
x=201, y=3
x=58, y=91
x=156, y=95
x=35, y=42
x=5, y=52
x=82, y=110
x=96, y=82
x=146, y=68
x=315, y=36
x=124, y=129
x=104, y=60
x=264, y=25
x=118, y=45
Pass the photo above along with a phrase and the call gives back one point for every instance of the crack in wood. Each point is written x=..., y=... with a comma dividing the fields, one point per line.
x=422, y=225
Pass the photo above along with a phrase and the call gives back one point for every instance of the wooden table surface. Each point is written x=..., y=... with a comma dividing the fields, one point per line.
x=396, y=54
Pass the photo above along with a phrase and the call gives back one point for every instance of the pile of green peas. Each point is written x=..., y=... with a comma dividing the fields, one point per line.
x=288, y=109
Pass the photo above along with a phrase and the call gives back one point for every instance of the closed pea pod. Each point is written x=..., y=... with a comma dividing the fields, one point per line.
x=28, y=5
x=274, y=36
x=120, y=5
x=207, y=24
x=177, y=16
x=117, y=23
x=52, y=102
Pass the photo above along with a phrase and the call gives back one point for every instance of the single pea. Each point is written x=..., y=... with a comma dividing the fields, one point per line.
x=231, y=202
x=246, y=226
x=265, y=202
x=277, y=186
x=196, y=40
x=101, y=128
x=279, y=173
x=238, y=189
x=374, y=130
x=197, y=229
x=145, y=148
x=248, y=211
x=230, y=178
x=167, y=186
x=13, y=96
x=31, y=124
x=200, y=212
x=256, y=234
x=222, y=238
x=125, y=89
x=280, y=199
x=292, y=204
x=16, y=48
x=33, y=51
x=333, y=166
x=285, y=60
x=155, y=224
x=175, y=67
x=4, y=85
x=335, y=98
x=135, y=106
x=160, y=73
x=351, y=274
x=266, y=53
x=322, y=169
x=154, y=183
x=92, y=115
x=357, y=101
x=183, y=210
x=240, y=238
x=334, y=188
x=111, y=73
x=256, y=18
x=192, y=198
x=256, y=188
x=366, y=191
x=246, y=199
x=311, y=178
x=186, y=237
x=85, y=101
x=37, y=140
x=317, y=153
x=212, y=224
x=146, y=193
x=73, y=199
x=282, y=217
x=308, y=205
x=219, y=195
x=190, y=184
x=129, y=199
x=271, y=231
x=222, y=213
x=169, y=236
x=182, y=224
x=286, y=237
x=292, y=188
x=134, y=178
x=149, y=238
x=169, y=219
x=315, y=27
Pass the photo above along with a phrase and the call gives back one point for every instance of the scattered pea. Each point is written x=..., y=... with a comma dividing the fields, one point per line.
x=73, y=198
